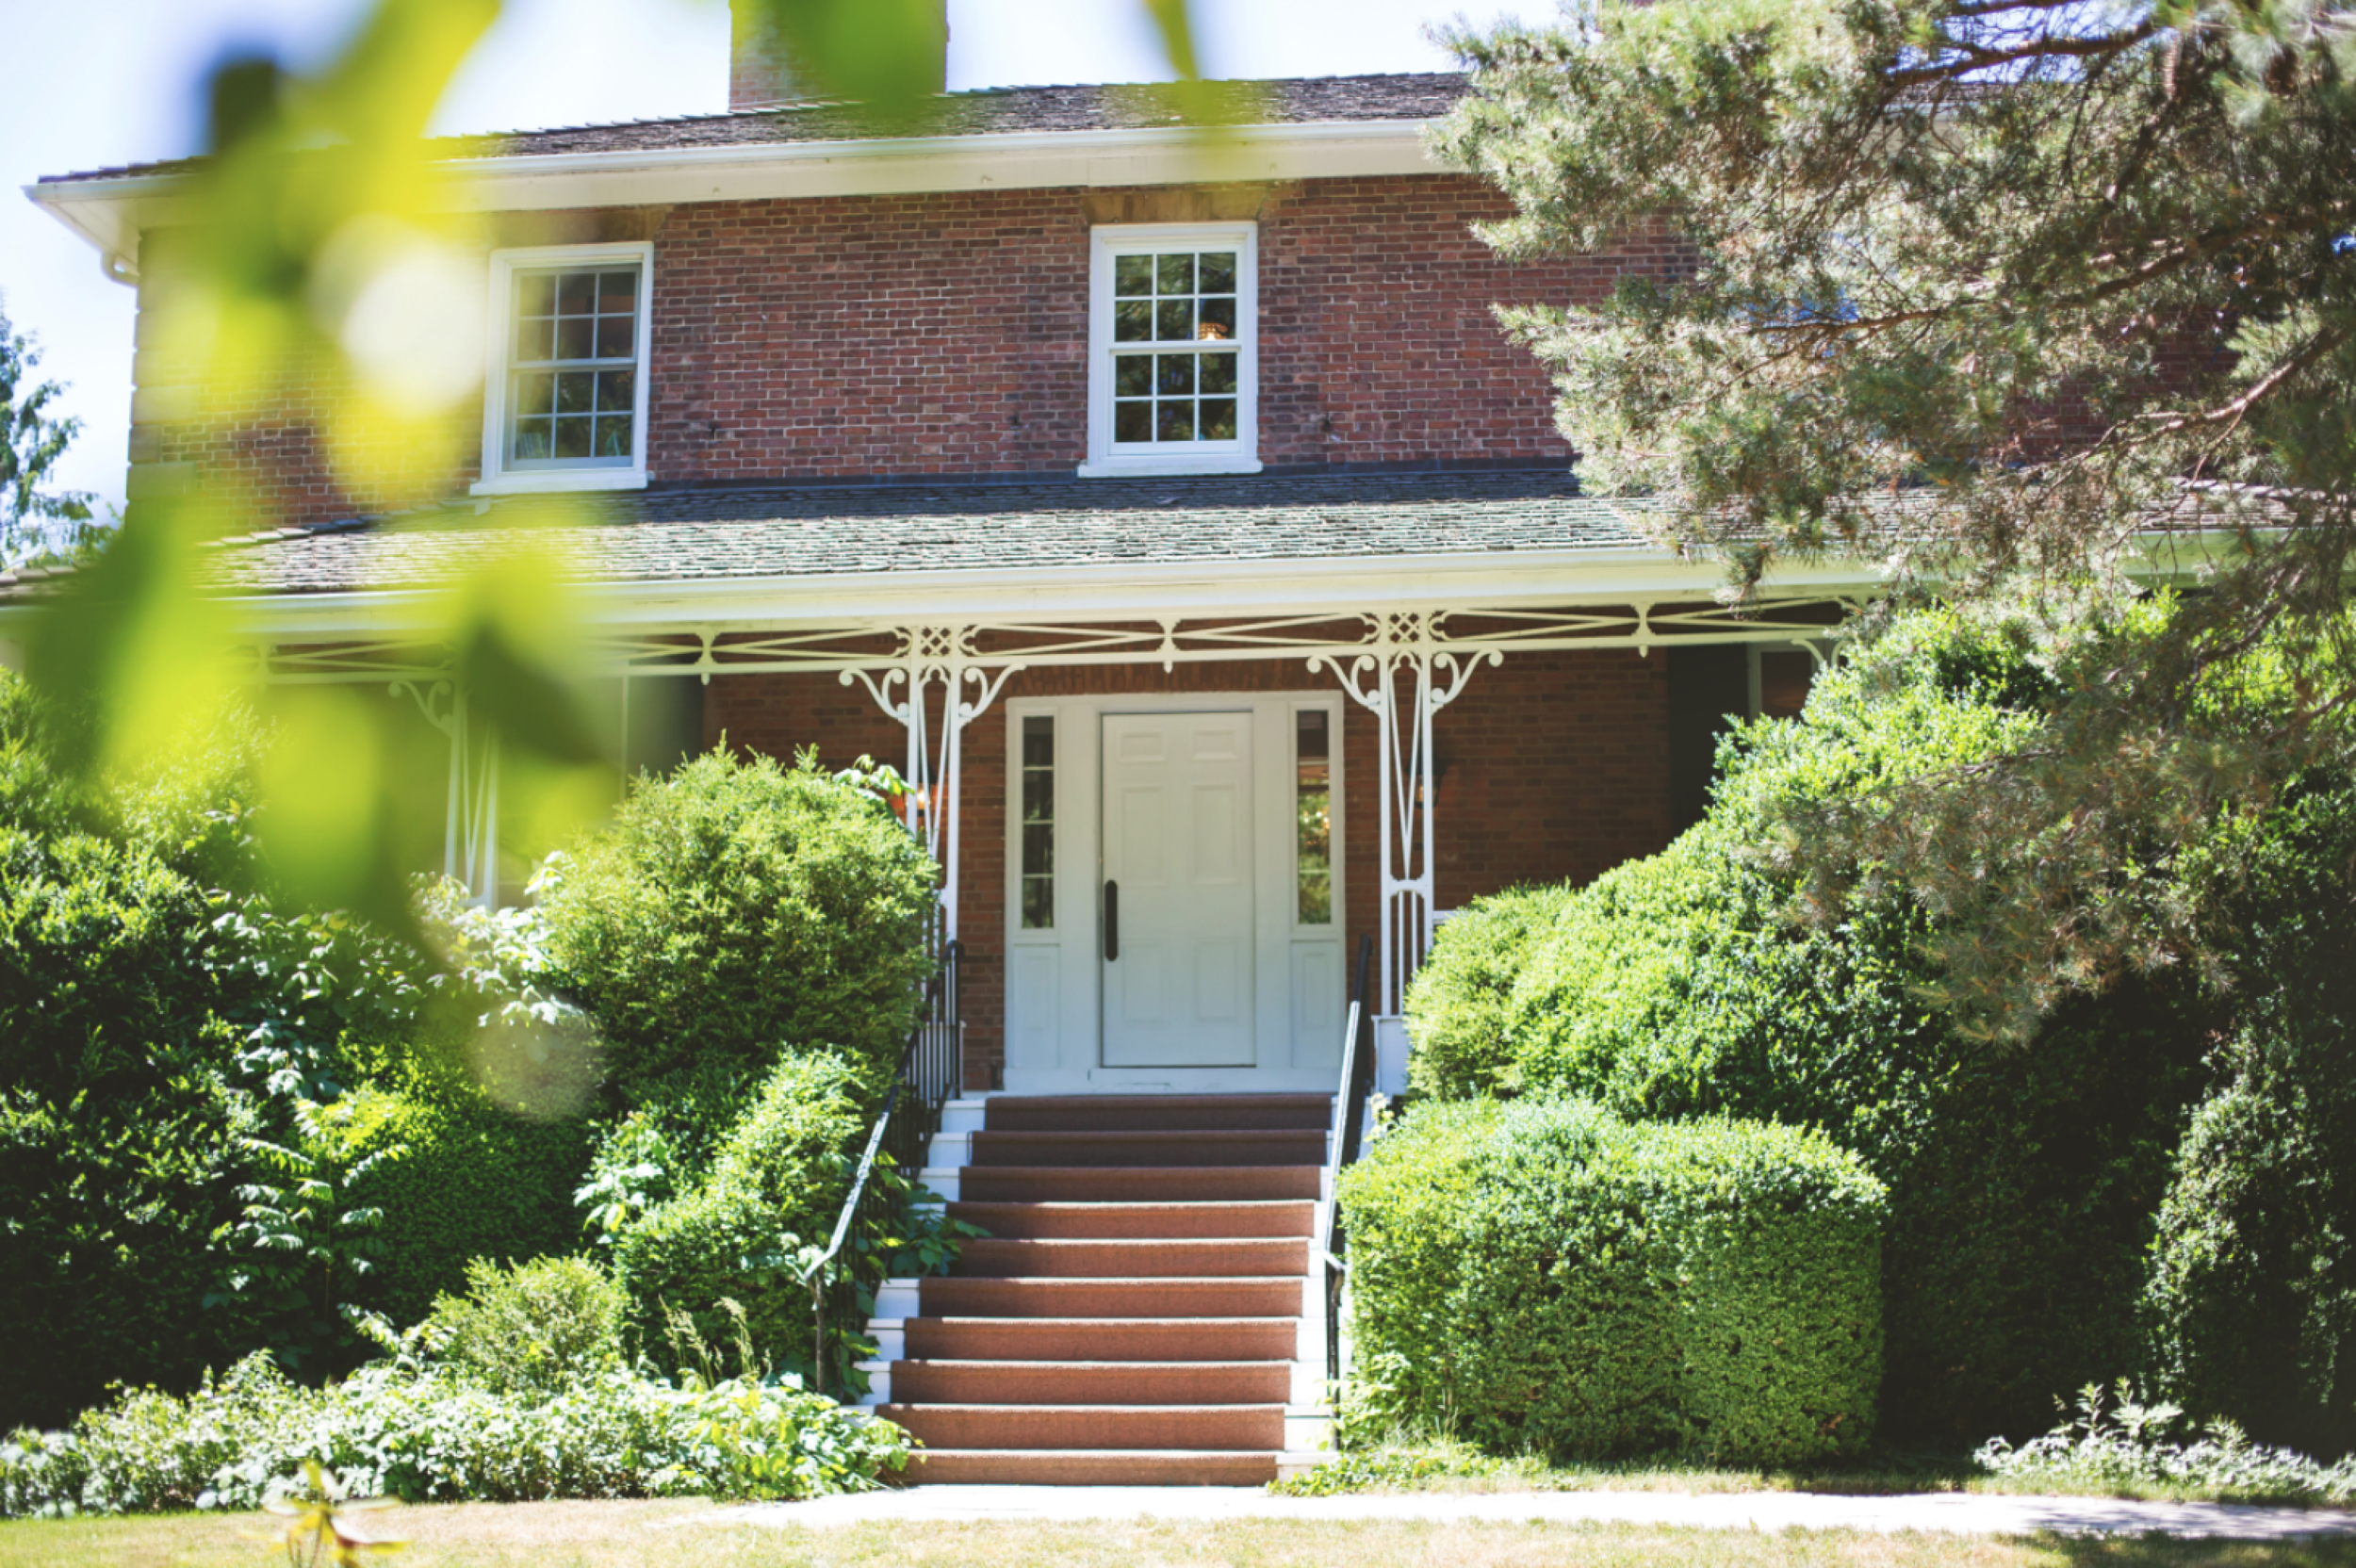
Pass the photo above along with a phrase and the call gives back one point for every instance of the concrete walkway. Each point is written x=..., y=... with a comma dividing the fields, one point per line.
x=1955, y=1514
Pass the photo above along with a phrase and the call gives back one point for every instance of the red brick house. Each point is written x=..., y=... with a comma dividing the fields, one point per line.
x=1186, y=529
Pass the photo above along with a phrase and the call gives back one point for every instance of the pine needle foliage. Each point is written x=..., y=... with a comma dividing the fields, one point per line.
x=1987, y=293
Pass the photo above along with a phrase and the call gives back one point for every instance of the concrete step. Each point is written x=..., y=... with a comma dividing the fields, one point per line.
x=1100, y=1339
x=1064, y=1467
x=1160, y=1150
x=1030, y=1382
x=1157, y=1112
x=1147, y=1298
x=1132, y=1185
x=1260, y=1257
x=1084, y=1426
x=1076, y=1221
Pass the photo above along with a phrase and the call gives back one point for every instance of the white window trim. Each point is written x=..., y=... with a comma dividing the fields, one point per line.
x=496, y=480
x=1239, y=456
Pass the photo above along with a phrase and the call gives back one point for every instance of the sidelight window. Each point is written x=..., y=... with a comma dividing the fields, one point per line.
x=1313, y=817
x=1039, y=822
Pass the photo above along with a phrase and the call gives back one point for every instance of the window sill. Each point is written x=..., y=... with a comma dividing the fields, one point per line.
x=557, y=480
x=1150, y=467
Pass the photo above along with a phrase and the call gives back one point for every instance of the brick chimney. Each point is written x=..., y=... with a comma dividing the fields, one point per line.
x=760, y=67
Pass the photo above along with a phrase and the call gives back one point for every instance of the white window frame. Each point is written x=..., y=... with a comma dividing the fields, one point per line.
x=498, y=479
x=1239, y=456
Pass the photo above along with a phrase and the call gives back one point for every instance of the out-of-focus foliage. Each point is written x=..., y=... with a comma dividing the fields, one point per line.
x=315, y=261
x=32, y=441
x=1981, y=292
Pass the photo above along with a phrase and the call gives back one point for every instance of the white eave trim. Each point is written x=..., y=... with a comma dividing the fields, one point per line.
x=110, y=212
x=1190, y=589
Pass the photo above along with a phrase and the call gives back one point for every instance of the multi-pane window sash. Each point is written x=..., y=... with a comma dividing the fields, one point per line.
x=1183, y=387
x=573, y=370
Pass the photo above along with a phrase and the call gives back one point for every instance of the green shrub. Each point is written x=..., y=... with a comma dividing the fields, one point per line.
x=735, y=906
x=776, y=1181
x=2252, y=1295
x=2021, y=1182
x=438, y=1436
x=163, y=1029
x=531, y=1325
x=466, y=1180
x=1547, y=1276
x=1461, y=997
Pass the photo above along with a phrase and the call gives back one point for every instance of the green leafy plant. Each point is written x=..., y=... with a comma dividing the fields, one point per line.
x=2117, y=1442
x=539, y=1324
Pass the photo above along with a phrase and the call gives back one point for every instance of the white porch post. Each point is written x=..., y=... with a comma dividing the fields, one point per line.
x=471, y=832
x=1406, y=657
x=933, y=656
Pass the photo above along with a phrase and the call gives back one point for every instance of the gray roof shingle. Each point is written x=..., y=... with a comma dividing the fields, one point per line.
x=815, y=532
x=987, y=111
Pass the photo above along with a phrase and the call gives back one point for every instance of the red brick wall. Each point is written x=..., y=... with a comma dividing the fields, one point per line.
x=947, y=335
x=1557, y=767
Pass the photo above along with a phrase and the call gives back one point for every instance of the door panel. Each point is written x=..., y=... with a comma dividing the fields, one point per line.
x=1177, y=794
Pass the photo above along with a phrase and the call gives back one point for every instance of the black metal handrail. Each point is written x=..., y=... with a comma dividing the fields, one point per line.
x=1349, y=1119
x=932, y=1072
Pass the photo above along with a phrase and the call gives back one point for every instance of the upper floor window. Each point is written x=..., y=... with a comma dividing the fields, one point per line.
x=564, y=407
x=1173, y=349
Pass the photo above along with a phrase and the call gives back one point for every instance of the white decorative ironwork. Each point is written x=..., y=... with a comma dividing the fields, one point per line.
x=931, y=655
x=1408, y=677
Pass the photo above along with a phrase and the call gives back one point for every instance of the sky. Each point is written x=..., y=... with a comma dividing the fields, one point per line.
x=121, y=78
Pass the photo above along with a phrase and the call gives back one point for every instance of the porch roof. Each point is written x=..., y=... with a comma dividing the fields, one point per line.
x=817, y=533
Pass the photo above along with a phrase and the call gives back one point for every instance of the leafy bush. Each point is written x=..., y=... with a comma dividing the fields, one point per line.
x=2118, y=1446
x=435, y=1435
x=530, y=1326
x=163, y=1030
x=735, y=906
x=2252, y=1294
x=1553, y=1278
x=1463, y=993
x=776, y=1181
x=463, y=1180
x=2021, y=1183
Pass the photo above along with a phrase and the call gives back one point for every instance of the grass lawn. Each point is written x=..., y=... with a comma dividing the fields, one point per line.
x=685, y=1535
x=1440, y=1465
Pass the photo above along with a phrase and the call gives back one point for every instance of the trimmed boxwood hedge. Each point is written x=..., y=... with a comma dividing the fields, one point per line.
x=1547, y=1276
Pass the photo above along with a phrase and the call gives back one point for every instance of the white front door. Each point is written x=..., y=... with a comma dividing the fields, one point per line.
x=1178, y=892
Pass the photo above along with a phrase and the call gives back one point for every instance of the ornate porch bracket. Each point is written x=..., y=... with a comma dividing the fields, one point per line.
x=1408, y=675
x=930, y=656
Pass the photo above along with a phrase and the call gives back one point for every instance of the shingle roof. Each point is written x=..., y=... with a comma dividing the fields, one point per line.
x=987, y=111
x=816, y=532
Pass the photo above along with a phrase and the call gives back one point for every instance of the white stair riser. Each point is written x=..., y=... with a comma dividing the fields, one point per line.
x=964, y=1116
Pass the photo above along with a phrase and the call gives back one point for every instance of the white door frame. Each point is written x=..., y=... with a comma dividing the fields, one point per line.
x=1054, y=978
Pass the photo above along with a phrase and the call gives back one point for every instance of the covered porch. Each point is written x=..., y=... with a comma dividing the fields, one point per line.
x=1176, y=744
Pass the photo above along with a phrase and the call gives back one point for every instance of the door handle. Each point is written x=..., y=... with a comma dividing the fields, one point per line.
x=1112, y=920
